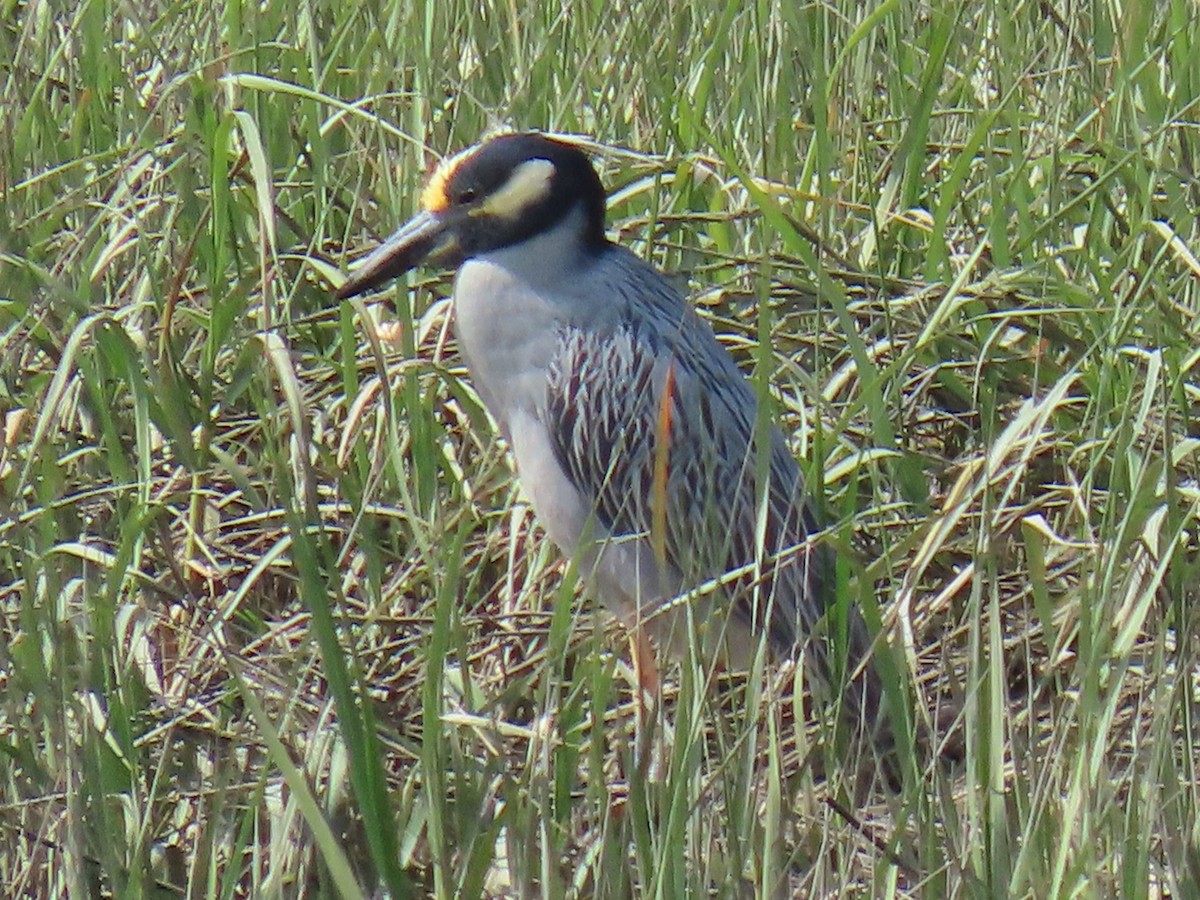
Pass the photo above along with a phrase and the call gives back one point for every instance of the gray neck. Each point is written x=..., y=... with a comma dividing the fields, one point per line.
x=547, y=256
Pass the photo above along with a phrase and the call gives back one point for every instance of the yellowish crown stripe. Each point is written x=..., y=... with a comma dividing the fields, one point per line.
x=434, y=198
x=528, y=183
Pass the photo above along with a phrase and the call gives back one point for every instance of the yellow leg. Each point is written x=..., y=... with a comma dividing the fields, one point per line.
x=645, y=669
x=648, y=689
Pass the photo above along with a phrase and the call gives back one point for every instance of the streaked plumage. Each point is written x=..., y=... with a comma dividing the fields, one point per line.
x=632, y=429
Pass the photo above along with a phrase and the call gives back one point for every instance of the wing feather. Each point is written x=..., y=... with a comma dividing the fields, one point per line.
x=621, y=401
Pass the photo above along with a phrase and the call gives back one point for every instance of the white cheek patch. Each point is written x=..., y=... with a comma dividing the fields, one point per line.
x=528, y=184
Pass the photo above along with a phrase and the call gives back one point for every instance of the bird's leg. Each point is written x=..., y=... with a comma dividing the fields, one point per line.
x=645, y=669
x=649, y=688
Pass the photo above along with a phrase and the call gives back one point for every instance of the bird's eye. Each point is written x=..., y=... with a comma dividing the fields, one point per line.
x=465, y=196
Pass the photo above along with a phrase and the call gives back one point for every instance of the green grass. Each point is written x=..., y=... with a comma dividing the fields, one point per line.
x=272, y=620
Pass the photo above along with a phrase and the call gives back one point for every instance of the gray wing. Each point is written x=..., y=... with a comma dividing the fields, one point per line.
x=653, y=422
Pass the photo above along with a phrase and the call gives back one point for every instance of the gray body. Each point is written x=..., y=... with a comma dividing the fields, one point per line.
x=575, y=372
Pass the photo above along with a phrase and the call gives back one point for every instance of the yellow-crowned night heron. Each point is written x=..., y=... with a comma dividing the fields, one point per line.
x=635, y=435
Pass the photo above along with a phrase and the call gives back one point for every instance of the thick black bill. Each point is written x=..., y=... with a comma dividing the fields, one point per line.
x=424, y=237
